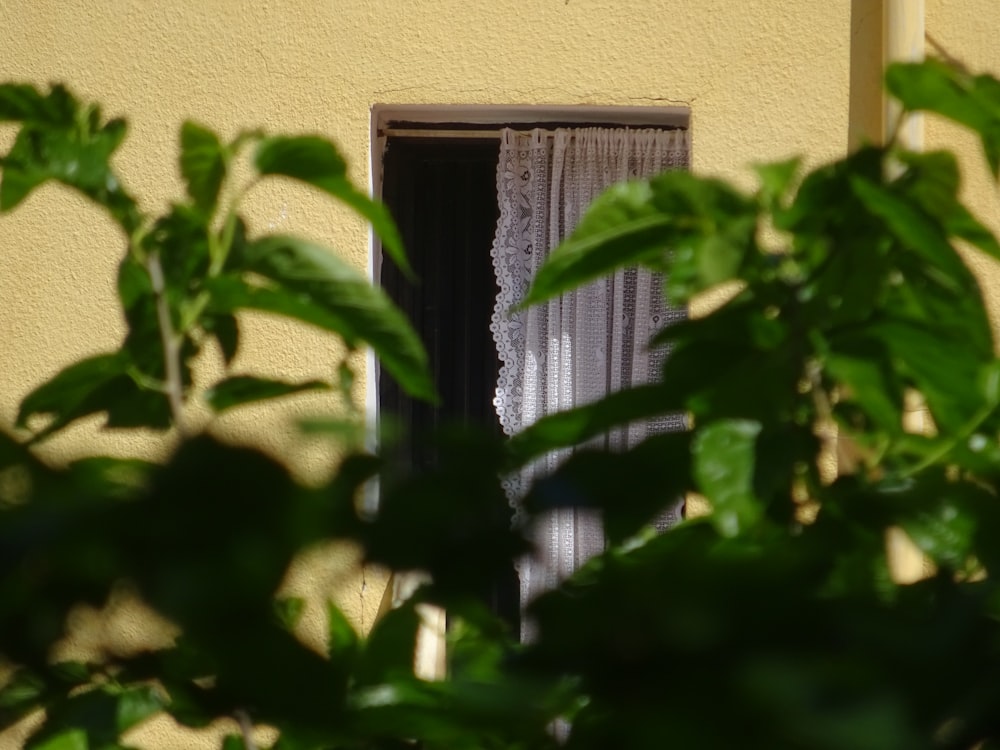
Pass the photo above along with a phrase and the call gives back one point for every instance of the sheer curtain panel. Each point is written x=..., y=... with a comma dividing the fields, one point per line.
x=588, y=343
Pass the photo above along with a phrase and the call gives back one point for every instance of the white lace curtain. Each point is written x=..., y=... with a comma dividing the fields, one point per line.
x=585, y=344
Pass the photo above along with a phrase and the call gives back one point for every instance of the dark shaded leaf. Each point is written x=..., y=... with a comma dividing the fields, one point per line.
x=862, y=365
x=916, y=230
x=244, y=389
x=226, y=330
x=77, y=391
x=579, y=424
x=289, y=610
x=660, y=465
x=100, y=715
x=343, y=644
x=391, y=646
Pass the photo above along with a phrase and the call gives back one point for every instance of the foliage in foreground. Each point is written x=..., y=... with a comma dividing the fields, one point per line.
x=772, y=622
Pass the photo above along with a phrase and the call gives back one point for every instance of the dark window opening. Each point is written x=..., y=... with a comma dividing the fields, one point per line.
x=442, y=194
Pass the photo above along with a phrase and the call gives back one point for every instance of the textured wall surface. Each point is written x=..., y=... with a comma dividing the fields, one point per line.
x=764, y=79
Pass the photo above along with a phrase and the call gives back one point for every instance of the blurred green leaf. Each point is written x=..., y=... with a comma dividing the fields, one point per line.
x=660, y=465
x=862, y=365
x=972, y=101
x=317, y=287
x=776, y=178
x=623, y=225
x=916, y=230
x=79, y=390
x=289, y=610
x=724, y=455
x=73, y=739
x=574, y=426
x=99, y=717
x=226, y=330
x=343, y=643
x=317, y=162
x=21, y=102
x=75, y=152
x=238, y=390
x=203, y=164
x=391, y=646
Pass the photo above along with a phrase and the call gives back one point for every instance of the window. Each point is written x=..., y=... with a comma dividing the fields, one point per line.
x=439, y=177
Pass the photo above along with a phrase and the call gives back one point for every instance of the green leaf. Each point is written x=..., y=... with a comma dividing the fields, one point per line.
x=203, y=164
x=20, y=173
x=972, y=101
x=343, y=644
x=916, y=230
x=289, y=610
x=660, y=465
x=77, y=391
x=621, y=226
x=77, y=155
x=391, y=646
x=244, y=389
x=863, y=366
x=776, y=179
x=317, y=287
x=73, y=739
x=317, y=162
x=349, y=430
x=574, y=426
x=724, y=455
x=21, y=688
x=226, y=330
x=933, y=181
x=20, y=102
x=137, y=704
x=107, y=476
x=945, y=370
x=71, y=672
x=100, y=715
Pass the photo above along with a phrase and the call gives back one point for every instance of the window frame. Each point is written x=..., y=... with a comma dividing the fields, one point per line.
x=478, y=120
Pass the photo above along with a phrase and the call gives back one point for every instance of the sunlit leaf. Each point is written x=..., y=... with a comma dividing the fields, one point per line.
x=318, y=287
x=724, y=455
x=203, y=164
x=970, y=100
x=317, y=162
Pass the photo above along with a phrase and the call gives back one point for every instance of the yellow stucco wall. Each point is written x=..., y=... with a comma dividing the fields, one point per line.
x=764, y=79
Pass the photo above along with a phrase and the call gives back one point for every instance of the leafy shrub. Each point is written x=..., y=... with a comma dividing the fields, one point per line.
x=771, y=622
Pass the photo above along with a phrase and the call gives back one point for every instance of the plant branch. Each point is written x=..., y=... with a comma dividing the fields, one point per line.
x=246, y=729
x=170, y=342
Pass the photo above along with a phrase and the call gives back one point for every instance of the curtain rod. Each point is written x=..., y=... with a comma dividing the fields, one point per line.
x=494, y=132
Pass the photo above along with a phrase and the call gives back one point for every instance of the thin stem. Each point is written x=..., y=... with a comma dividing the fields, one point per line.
x=246, y=729
x=170, y=342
